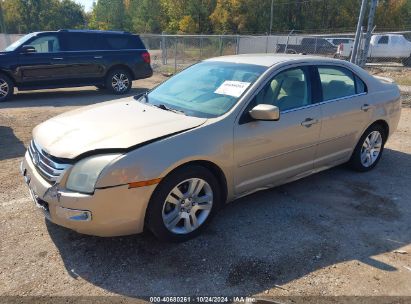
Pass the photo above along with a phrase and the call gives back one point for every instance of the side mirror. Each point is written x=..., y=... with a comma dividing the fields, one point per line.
x=27, y=49
x=265, y=112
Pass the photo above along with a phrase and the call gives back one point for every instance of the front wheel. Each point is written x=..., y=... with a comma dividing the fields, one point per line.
x=6, y=87
x=369, y=149
x=118, y=81
x=183, y=204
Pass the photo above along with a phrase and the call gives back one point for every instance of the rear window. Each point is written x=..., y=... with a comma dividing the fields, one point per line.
x=338, y=82
x=93, y=42
x=121, y=42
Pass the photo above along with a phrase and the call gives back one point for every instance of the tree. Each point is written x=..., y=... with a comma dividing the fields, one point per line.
x=23, y=16
x=110, y=15
x=187, y=25
x=146, y=16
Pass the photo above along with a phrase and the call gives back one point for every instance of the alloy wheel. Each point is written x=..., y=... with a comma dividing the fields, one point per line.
x=187, y=206
x=4, y=88
x=371, y=148
x=120, y=82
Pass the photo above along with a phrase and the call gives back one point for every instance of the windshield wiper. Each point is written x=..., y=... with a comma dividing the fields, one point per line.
x=164, y=107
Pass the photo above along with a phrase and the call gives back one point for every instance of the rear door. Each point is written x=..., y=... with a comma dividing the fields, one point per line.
x=46, y=66
x=344, y=114
x=85, y=54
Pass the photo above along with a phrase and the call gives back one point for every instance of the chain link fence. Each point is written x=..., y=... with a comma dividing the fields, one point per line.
x=389, y=53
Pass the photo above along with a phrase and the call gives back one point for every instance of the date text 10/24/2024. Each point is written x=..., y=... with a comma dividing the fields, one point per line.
x=202, y=299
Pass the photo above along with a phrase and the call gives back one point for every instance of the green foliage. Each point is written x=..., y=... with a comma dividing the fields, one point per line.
x=23, y=16
x=201, y=16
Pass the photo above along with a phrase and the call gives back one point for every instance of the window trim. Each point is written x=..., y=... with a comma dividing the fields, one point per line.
x=354, y=76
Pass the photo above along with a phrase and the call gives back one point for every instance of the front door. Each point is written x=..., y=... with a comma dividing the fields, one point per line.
x=45, y=66
x=271, y=152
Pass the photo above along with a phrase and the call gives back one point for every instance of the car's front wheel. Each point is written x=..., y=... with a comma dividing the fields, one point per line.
x=6, y=87
x=119, y=81
x=369, y=149
x=183, y=203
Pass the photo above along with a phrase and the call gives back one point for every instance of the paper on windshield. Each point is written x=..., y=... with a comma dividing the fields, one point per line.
x=232, y=88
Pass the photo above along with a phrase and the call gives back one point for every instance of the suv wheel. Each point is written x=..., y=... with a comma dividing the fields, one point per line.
x=183, y=204
x=369, y=149
x=6, y=87
x=119, y=81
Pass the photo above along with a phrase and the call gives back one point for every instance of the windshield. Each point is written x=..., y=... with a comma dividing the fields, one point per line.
x=207, y=89
x=17, y=43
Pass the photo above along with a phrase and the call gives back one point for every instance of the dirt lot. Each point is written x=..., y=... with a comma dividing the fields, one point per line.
x=334, y=233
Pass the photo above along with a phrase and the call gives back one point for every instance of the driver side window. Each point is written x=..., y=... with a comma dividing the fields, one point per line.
x=287, y=90
x=46, y=44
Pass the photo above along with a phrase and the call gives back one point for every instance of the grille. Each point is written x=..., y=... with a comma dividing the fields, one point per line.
x=49, y=169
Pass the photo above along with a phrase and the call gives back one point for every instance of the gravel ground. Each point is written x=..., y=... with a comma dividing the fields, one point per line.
x=333, y=233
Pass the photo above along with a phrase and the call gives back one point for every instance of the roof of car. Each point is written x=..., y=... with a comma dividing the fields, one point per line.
x=270, y=59
x=93, y=31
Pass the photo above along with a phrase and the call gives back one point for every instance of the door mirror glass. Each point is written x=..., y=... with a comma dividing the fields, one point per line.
x=28, y=49
x=265, y=112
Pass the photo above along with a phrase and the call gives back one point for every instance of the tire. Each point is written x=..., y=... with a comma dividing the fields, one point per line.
x=6, y=87
x=179, y=214
x=364, y=157
x=118, y=81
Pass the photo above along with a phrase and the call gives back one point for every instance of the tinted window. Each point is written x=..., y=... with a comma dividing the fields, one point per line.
x=287, y=90
x=336, y=82
x=46, y=44
x=83, y=42
x=122, y=42
x=383, y=40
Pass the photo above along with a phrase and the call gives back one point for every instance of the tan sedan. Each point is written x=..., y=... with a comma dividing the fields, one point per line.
x=221, y=129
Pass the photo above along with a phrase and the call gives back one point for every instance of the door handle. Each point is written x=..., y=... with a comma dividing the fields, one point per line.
x=308, y=122
x=57, y=58
x=365, y=107
x=98, y=57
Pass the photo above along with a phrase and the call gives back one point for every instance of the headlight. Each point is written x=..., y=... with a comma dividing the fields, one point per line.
x=83, y=176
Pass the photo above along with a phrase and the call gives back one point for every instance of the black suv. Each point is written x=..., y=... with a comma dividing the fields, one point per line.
x=71, y=58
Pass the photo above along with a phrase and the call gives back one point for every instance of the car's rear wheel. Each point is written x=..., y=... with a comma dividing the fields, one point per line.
x=183, y=204
x=369, y=149
x=6, y=87
x=119, y=81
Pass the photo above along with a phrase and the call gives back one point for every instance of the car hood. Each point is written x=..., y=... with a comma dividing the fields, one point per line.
x=119, y=124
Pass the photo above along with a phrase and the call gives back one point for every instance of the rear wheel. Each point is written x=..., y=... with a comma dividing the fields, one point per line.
x=119, y=81
x=183, y=204
x=6, y=87
x=369, y=149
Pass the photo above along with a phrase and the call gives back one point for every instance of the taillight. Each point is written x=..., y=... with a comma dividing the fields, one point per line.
x=146, y=57
x=341, y=47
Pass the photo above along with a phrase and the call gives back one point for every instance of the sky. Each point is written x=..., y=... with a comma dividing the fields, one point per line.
x=86, y=3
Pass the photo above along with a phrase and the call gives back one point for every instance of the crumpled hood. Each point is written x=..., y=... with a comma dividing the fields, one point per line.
x=118, y=124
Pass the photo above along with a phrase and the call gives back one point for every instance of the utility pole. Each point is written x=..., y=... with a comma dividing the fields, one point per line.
x=358, y=33
x=364, y=53
x=271, y=16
